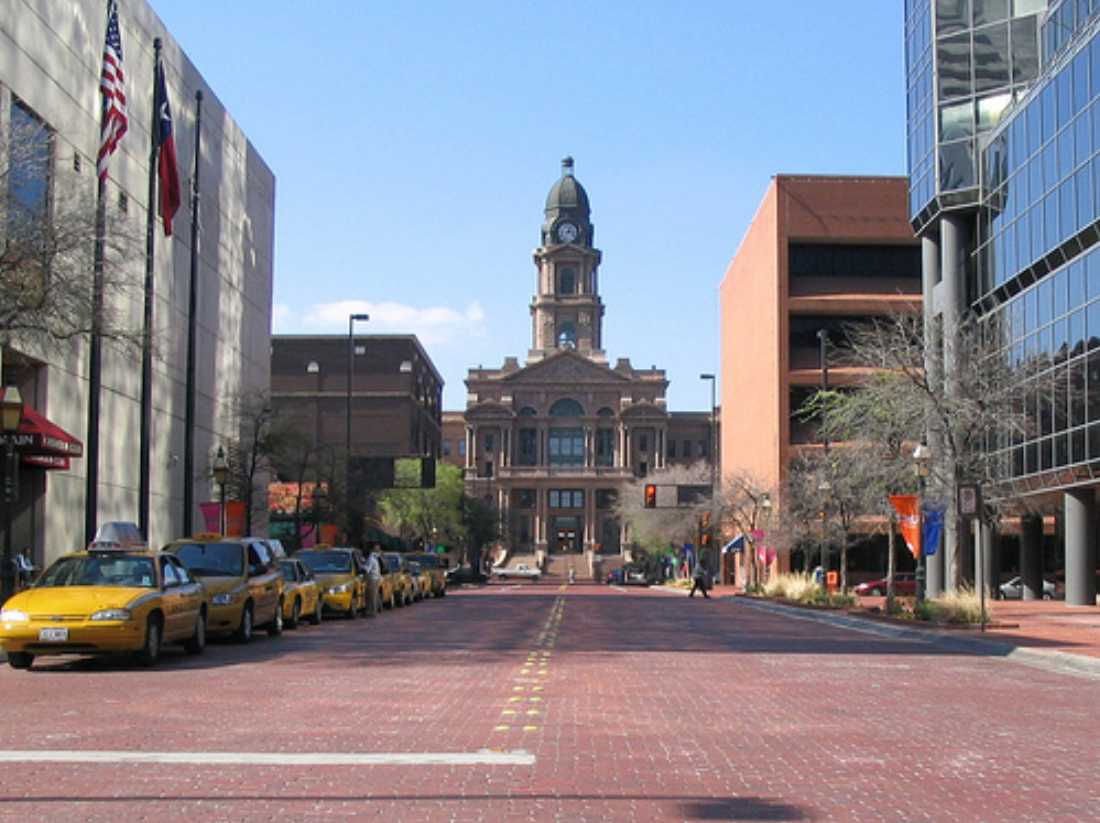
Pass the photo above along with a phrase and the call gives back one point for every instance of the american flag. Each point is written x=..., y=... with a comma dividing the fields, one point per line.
x=113, y=122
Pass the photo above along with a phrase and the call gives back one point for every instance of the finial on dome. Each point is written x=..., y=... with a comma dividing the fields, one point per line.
x=567, y=166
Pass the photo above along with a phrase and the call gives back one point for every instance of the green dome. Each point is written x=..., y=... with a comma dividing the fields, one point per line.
x=567, y=193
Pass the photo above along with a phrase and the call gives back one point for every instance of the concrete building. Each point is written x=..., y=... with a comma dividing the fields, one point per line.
x=552, y=442
x=820, y=252
x=396, y=392
x=50, y=62
x=1004, y=192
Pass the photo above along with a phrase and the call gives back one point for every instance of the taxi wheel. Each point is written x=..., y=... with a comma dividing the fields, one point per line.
x=275, y=627
x=20, y=660
x=295, y=614
x=315, y=619
x=150, y=652
x=244, y=631
x=197, y=642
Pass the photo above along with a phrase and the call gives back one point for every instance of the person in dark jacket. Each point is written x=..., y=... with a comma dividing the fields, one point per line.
x=699, y=580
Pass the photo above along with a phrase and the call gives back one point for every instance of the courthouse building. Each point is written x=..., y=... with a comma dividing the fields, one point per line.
x=51, y=53
x=554, y=440
x=1004, y=192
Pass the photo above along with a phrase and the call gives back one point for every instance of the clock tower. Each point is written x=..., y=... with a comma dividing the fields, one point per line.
x=566, y=311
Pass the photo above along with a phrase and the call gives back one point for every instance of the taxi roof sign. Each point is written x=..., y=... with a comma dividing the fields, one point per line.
x=117, y=536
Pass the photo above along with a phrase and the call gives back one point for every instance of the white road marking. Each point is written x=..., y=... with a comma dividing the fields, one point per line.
x=478, y=758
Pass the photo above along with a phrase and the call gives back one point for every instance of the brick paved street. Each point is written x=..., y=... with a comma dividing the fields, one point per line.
x=636, y=705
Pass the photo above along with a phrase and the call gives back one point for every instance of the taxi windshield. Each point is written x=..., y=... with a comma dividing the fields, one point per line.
x=212, y=559
x=124, y=571
x=327, y=562
x=393, y=562
x=289, y=571
x=428, y=561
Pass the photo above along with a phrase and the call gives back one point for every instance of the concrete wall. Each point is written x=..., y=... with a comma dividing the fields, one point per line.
x=50, y=55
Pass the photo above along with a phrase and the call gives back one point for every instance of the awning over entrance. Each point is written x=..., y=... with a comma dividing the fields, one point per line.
x=42, y=443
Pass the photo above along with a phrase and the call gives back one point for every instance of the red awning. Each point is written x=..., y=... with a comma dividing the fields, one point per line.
x=37, y=436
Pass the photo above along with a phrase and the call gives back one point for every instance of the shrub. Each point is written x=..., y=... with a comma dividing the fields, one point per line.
x=960, y=606
x=796, y=586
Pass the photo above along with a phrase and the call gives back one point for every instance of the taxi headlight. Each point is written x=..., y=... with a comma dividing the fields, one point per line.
x=343, y=587
x=223, y=599
x=112, y=614
x=13, y=616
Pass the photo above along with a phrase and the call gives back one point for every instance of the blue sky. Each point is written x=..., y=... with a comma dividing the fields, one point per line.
x=414, y=144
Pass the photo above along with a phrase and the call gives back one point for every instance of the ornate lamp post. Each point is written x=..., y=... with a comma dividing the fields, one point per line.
x=766, y=516
x=824, y=487
x=221, y=477
x=922, y=463
x=11, y=412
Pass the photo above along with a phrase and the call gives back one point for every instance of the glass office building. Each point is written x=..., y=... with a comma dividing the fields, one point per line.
x=1004, y=170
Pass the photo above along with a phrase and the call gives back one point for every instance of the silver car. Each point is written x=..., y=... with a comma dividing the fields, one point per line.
x=1014, y=589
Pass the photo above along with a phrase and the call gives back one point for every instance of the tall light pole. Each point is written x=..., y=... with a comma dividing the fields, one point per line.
x=712, y=456
x=347, y=432
x=221, y=477
x=11, y=412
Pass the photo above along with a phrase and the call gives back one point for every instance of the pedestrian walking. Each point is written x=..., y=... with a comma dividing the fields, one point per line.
x=699, y=580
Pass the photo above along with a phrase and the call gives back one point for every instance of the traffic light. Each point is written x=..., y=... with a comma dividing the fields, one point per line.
x=650, y=495
x=704, y=529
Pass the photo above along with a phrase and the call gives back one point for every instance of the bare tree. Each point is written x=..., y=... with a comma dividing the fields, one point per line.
x=47, y=238
x=965, y=418
x=744, y=505
x=655, y=530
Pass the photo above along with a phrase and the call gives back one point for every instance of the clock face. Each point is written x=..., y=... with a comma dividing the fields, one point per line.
x=567, y=232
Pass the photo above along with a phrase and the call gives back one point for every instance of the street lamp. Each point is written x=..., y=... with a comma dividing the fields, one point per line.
x=712, y=453
x=347, y=433
x=11, y=412
x=221, y=477
x=922, y=463
x=823, y=489
x=766, y=513
x=319, y=495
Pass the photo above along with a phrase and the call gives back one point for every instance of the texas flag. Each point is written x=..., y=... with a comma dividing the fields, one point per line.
x=165, y=142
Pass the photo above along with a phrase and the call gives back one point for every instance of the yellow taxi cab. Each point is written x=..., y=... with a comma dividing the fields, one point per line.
x=430, y=564
x=301, y=593
x=114, y=597
x=242, y=579
x=400, y=579
x=422, y=580
x=342, y=575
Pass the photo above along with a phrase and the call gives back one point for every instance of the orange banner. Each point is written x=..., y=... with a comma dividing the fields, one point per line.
x=908, y=508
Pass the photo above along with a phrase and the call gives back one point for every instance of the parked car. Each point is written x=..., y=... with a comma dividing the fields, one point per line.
x=301, y=593
x=115, y=597
x=242, y=579
x=635, y=576
x=1014, y=589
x=520, y=570
x=430, y=563
x=422, y=581
x=904, y=583
x=401, y=580
x=342, y=575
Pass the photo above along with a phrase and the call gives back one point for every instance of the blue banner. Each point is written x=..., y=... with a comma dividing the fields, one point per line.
x=933, y=528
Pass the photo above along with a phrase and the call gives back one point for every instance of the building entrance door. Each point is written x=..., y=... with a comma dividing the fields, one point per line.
x=566, y=535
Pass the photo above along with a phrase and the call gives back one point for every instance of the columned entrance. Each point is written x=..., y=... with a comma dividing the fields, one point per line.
x=566, y=534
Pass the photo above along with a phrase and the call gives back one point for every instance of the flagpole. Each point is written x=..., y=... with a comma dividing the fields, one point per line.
x=189, y=415
x=147, y=327
x=95, y=357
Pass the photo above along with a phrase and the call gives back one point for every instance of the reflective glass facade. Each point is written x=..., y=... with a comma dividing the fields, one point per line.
x=967, y=61
x=1037, y=263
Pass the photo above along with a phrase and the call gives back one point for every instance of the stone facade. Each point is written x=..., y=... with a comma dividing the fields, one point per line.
x=553, y=442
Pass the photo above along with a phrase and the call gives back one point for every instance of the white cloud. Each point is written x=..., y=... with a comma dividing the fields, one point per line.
x=431, y=324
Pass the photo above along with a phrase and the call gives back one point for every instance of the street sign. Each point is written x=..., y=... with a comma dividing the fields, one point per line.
x=970, y=500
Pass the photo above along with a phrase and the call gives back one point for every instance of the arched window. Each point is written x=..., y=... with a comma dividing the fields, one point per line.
x=567, y=336
x=567, y=407
x=605, y=411
x=527, y=411
x=567, y=280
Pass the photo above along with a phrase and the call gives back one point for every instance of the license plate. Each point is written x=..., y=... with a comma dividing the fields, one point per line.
x=53, y=635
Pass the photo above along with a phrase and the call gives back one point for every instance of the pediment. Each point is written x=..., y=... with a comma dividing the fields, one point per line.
x=566, y=367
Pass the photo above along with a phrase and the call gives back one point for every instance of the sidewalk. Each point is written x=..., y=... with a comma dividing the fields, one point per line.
x=1040, y=627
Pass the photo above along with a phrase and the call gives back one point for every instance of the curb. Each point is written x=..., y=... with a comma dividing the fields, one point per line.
x=1055, y=661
